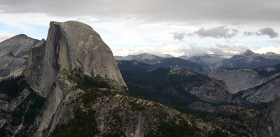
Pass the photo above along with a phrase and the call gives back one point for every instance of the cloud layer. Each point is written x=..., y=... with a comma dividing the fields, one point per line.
x=240, y=11
x=191, y=50
x=175, y=27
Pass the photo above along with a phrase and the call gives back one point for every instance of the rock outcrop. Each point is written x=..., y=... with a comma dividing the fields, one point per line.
x=70, y=46
x=14, y=53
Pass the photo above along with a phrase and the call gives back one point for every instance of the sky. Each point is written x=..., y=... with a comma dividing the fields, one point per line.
x=175, y=27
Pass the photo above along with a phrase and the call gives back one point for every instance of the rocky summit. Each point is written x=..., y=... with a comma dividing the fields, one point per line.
x=70, y=45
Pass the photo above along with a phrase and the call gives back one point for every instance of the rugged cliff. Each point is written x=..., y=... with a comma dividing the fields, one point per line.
x=70, y=45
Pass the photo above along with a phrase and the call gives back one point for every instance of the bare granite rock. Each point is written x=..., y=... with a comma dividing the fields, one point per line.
x=237, y=80
x=254, y=85
x=70, y=45
x=266, y=93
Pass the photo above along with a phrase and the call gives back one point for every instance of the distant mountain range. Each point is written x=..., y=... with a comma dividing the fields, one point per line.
x=210, y=60
x=250, y=76
x=250, y=59
x=247, y=59
x=246, y=75
x=143, y=56
x=163, y=63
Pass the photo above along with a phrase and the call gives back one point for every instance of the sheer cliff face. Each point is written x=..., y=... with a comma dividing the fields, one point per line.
x=70, y=45
x=14, y=53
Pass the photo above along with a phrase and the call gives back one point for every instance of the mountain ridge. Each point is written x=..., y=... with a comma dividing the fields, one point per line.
x=247, y=59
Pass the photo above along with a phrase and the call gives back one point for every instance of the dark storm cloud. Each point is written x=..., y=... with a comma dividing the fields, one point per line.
x=178, y=36
x=268, y=31
x=175, y=10
x=217, y=32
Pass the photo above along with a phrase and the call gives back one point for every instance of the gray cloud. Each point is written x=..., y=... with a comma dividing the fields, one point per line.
x=263, y=31
x=217, y=32
x=247, y=33
x=267, y=31
x=178, y=10
x=227, y=50
x=179, y=35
